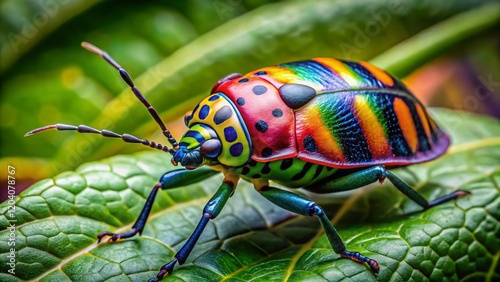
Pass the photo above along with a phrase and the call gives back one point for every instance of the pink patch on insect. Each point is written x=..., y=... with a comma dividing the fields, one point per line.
x=270, y=123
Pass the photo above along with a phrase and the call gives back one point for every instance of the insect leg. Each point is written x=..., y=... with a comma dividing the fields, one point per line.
x=172, y=179
x=211, y=210
x=367, y=176
x=304, y=206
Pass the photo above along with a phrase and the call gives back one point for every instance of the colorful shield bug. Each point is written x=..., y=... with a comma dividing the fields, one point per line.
x=325, y=125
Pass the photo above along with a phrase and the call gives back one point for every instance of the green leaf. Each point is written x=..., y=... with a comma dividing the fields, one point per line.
x=59, y=218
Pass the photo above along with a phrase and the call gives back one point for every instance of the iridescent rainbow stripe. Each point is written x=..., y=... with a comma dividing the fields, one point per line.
x=327, y=74
x=361, y=116
x=360, y=128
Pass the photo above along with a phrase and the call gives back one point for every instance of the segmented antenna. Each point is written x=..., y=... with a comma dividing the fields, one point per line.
x=126, y=77
x=106, y=133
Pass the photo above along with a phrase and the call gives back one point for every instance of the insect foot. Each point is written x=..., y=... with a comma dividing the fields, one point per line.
x=357, y=257
x=452, y=196
x=164, y=271
x=115, y=236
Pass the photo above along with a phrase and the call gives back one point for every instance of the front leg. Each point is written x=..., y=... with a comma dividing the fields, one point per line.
x=211, y=210
x=172, y=179
x=304, y=206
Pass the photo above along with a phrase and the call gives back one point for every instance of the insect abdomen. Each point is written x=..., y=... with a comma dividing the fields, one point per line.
x=361, y=116
x=357, y=115
x=362, y=128
x=289, y=172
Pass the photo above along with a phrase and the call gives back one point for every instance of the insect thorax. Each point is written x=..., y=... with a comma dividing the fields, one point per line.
x=290, y=172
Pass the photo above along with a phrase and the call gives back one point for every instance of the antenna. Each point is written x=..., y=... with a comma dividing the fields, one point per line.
x=126, y=77
x=106, y=133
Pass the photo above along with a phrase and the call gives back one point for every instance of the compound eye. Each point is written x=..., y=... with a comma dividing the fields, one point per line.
x=187, y=117
x=211, y=148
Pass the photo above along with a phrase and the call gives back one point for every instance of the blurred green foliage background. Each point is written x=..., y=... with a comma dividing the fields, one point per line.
x=177, y=50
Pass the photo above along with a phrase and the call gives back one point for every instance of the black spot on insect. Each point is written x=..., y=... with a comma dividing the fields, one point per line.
x=213, y=98
x=261, y=126
x=296, y=95
x=243, y=80
x=267, y=152
x=259, y=89
x=245, y=170
x=240, y=101
x=252, y=163
x=277, y=113
x=222, y=115
x=318, y=171
x=265, y=169
x=256, y=176
x=303, y=172
x=309, y=144
x=187, y=119
x=196, y=108
x=285, y=164
x=236, y=149
x=230, y=134
x=260, y=73
x=203, y=113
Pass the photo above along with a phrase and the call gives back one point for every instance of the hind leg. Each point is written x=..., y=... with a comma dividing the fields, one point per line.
x=304, y=206
x=370, y=175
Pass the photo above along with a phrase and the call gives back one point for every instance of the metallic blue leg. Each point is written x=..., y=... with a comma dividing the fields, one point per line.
x=304, y=206
x=360, y=178
x=211, y=210
x=172, y=179
x=139, y=223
